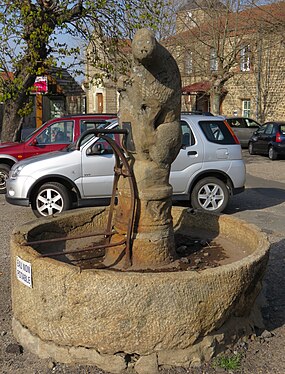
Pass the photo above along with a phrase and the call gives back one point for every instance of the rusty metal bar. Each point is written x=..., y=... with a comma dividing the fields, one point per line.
x=84, y=250
x=133, y=196
x=64, y=238
x=121, y=162
x=122, y=168
x=99, y=132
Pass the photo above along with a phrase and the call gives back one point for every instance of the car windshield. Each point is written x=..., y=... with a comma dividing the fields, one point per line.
x=28, y=137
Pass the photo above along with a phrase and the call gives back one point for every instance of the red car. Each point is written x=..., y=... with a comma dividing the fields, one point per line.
x=52, y=136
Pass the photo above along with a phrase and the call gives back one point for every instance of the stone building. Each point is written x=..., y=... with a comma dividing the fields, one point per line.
x=105, y=60
x=235, y=56
x=242, y=49
x=101, y=98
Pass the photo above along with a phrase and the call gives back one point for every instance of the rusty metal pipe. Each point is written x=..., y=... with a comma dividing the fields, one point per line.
x=84, y=250
x=63, y=238
x=122, y=168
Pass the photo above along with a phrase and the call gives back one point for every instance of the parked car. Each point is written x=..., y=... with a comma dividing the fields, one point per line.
x=243, y=127
x=269, y=140
x=53, y=135
x=207, y=171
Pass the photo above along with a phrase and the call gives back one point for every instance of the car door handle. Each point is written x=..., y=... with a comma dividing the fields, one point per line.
x=191, y=153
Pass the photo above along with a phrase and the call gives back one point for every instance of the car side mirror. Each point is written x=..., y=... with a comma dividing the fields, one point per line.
x=34, y=142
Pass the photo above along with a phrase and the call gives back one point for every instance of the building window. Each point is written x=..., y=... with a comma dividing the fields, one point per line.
x=245, y=58
x=246, y=108
x=188, y=63
x=213, y=60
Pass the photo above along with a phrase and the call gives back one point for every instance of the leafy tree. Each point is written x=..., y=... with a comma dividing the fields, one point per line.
x=30, y=44
x=108, y=53
x=216, y=36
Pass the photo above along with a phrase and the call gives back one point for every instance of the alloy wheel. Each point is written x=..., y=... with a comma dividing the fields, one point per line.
x=49, y=201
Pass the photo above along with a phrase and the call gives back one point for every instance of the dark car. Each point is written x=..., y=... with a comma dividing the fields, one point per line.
x=269, y=140
x=243, y=127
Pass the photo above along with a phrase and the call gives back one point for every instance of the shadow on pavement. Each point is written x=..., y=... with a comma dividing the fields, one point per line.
x=258, y=159
x=274, y=312
x=256, y=199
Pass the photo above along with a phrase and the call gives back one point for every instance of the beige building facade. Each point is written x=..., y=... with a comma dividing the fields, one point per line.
x=101, y=99
x=239, y=54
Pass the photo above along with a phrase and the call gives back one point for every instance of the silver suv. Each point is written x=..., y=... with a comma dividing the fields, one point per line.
x=207, y=171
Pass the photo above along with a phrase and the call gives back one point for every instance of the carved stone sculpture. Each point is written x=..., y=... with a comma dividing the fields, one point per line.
x=150, y=104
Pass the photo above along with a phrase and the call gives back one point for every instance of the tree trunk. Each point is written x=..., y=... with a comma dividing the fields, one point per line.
x=11, y=121
x=217, y=88
x=11, y=118
x=215, y=107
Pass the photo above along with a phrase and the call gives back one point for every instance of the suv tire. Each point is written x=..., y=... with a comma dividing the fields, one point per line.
x=272, y=154
x=210, y=194
x=4, y=174
x=50, y=198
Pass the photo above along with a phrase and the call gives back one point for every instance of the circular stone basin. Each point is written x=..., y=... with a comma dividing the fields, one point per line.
x=113, y=318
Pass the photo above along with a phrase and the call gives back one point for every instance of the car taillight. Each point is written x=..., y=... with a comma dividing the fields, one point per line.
x=231, y=131
x=278, y=137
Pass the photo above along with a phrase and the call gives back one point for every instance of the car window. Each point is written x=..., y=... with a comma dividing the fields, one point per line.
x=92, y=124
x=251, y=123
x=282, y=129
x=235, y=122
x=269, y=129
x=104, y=146
x=261, y=129
x=217, y=132
x=58, y=132
x=187, y=135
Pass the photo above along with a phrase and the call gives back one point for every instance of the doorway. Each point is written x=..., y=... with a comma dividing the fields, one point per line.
x=99, y=97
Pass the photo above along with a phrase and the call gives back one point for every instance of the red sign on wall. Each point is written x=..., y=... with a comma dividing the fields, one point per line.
x=41, y=85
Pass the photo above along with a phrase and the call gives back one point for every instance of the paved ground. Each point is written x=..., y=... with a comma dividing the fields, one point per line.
x=263, y=203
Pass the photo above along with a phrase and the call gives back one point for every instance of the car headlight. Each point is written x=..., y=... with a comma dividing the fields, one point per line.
x=15, y=172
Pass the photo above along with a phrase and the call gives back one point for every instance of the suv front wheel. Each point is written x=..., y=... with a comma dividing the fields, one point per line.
x=51, y=198
x=210, y=194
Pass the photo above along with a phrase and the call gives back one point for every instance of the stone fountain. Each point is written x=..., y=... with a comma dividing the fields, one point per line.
x=178, y=292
